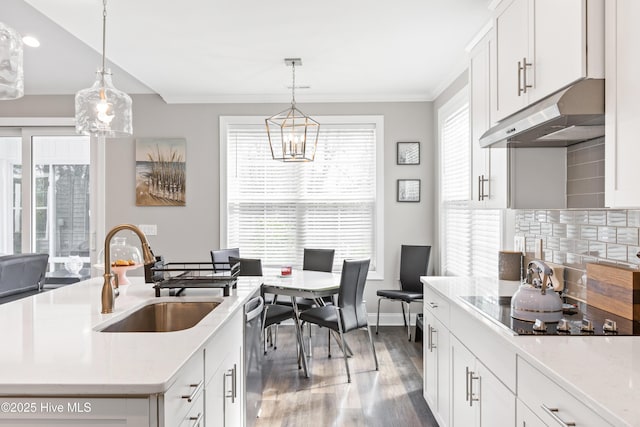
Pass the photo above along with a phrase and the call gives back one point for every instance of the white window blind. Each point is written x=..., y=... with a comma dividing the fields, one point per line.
x=274, y=210
x=470, y=237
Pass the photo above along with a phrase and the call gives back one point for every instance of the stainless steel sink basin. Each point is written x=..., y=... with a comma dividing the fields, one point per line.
x=164, y=317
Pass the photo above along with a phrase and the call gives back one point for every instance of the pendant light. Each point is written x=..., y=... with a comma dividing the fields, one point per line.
x=293, y=136
x=11, y=57
x=103, y=110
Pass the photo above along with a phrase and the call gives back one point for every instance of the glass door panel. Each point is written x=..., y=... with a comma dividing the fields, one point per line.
x=60, y=195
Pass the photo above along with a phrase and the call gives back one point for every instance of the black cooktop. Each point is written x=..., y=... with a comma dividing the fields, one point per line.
x=581, y=319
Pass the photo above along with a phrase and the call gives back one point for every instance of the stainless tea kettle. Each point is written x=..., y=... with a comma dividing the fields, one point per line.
x=536, y=298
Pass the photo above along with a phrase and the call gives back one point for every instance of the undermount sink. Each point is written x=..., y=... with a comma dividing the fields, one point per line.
x=164, y=317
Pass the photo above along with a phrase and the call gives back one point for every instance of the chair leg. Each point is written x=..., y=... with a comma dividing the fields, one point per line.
x=373, y=348
x=275, y=338
x=408, y=323
x=329, y=341
x=378, y=316
x=404, y=319
x=344, y=352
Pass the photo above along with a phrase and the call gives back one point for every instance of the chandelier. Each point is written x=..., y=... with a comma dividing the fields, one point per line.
x=103, y=110
x=11, y=57
x=293, y=136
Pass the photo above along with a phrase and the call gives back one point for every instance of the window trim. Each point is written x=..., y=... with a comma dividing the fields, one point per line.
x=377, y=120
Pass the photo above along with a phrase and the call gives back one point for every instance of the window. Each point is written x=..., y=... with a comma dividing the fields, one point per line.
x=273, y=210
x=470, y=238
x=44, y=195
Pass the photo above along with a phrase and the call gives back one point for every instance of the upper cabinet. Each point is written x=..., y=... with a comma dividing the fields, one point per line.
x=542, y=46
x=489, y=165
x=622, y=92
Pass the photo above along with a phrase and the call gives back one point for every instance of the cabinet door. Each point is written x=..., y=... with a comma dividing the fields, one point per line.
x=430, y=357
x=559, y=40
x=464, y=406
x=497, y=403
x=511, y=26
x=440, y=339
x=489, y=174
x=223, y=394
x=479, y=83
x=622, y=93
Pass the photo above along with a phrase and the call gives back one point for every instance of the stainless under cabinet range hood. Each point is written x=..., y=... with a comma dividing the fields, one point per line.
x=572, y=115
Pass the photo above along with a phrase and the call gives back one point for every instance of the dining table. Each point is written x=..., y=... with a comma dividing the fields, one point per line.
x=304, y=284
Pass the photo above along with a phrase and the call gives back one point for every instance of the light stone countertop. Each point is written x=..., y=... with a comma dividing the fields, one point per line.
x=50, y=345
x=601, y=371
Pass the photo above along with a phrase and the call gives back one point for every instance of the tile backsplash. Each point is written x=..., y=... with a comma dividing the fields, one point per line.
x=577, y=237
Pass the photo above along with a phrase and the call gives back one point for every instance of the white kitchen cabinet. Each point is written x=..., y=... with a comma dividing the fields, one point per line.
x=77, y=411
x=550, y=402
x=223, y=376
x=622, y=92
x=436, y=362
x=489, y=165
x=543, y=46
x=478, y=397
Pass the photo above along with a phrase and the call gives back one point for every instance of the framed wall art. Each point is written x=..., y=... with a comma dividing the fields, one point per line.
x=408, y=153
x=408, y=190
x=161, y=171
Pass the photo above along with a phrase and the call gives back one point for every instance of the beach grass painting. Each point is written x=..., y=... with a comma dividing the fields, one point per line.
x=160, y=171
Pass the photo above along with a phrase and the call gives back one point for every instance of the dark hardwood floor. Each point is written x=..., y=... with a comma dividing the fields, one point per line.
x=388, y=397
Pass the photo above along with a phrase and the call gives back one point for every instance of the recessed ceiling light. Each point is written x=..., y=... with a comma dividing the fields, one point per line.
x=31, y=41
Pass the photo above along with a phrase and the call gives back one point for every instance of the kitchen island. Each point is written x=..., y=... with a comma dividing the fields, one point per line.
x=535, y=379
x=55, y=362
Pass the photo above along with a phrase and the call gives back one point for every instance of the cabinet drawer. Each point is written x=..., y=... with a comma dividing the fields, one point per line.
x=437, y=305
x=183, y=394
x=550, y=402
x=195, y=416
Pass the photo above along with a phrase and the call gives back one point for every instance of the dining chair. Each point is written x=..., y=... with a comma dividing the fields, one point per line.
x=220, y=256
x=414, y=262
x=248, y=266
x=350, y=312
x=318, y=259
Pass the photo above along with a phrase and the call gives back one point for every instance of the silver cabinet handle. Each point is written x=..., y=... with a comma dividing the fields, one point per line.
x=431, y=333
x=196, y=420
x=196, y=391
x=472, y=377
x=429, y=337
x=433, y=305
x=481, y=193
x=553, y=412
x=233, y=393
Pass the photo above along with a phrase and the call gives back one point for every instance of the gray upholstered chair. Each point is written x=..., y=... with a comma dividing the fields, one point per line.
x=318, y=259
x=248, y=266
x=350, y=312
x=414, y=262
x=221, y=256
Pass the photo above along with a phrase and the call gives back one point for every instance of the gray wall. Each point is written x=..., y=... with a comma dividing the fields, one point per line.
x=188, y=233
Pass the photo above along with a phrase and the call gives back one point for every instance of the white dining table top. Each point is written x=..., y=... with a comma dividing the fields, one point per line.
x=301, y=281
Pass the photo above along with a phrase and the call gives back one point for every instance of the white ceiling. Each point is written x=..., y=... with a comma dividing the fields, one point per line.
x=233, y=50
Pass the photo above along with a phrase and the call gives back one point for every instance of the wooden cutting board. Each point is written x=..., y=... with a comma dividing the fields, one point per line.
x=614, y=289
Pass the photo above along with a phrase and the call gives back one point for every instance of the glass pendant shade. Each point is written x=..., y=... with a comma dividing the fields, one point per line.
x=293, y=136
x=11, y=60
x=103, y=110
